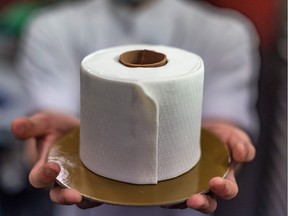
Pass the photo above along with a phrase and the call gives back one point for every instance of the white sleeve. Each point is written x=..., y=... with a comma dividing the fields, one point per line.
x=231, y=76
x=48, y=68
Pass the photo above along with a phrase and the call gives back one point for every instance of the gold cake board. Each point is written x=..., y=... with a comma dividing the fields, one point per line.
x=214, y=161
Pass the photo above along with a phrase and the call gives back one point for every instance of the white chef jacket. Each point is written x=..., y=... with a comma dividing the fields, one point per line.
x=57, y=40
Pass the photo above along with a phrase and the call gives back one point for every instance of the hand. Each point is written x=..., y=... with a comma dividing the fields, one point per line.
x=45, y=128
x=241, y=151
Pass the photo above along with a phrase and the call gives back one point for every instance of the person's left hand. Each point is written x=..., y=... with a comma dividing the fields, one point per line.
x=241, y=151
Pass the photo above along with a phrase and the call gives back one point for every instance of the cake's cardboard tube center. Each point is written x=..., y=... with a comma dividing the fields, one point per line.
x=143, y=58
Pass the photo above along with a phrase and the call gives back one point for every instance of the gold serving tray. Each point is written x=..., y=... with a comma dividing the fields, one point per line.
x=214, y=161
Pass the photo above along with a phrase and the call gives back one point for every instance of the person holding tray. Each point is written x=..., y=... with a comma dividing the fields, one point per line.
x=56, y=42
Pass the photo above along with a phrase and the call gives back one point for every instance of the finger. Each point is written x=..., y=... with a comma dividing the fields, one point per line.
x=242, y=150
x=65, y=196
x=44, y=175
x=250, y=152
x=238, y=142
x=203, y=203
x=24, y=128
x=224, y=188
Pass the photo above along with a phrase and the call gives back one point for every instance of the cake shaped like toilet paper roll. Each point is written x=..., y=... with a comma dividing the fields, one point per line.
x=141, y=124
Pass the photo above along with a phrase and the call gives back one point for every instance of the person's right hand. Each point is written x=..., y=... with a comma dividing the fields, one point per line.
x=45, y=128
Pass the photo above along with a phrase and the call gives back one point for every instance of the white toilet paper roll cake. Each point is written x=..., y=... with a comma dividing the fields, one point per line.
x=141, y=124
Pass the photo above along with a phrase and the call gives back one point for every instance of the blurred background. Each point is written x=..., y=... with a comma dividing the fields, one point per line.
x=263, y=183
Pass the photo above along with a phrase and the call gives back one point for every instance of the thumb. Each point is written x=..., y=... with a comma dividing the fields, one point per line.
x=43, y=174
